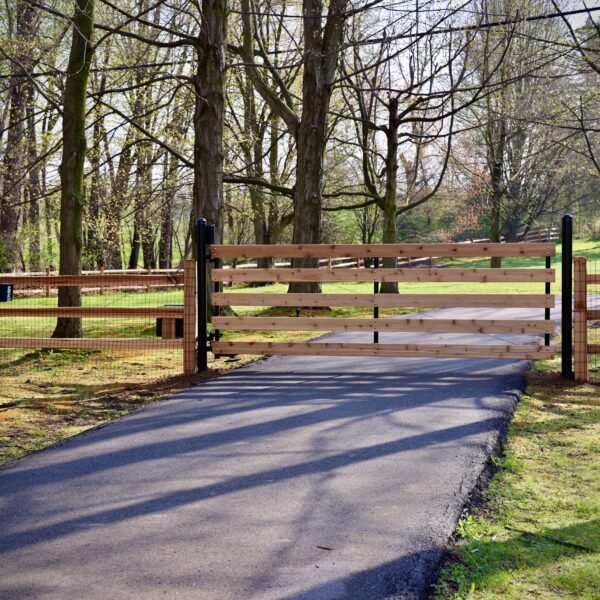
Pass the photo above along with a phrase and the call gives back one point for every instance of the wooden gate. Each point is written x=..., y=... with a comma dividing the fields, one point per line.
x=543, y=326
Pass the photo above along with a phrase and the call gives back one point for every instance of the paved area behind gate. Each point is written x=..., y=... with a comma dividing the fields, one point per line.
x=304, y=478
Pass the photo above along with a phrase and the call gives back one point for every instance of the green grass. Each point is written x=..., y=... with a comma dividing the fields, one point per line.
x=43, y=327
x=588, y=248
x=537, y=533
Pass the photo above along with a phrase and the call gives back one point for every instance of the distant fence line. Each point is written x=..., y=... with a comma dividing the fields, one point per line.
x=151, y=279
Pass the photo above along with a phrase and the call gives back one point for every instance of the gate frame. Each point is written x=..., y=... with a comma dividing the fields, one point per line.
x=205, y=238
x=567, y=298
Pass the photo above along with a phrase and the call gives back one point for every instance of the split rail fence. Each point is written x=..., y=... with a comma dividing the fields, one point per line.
x=219, y=276
x=582, y=315
x=111, y=281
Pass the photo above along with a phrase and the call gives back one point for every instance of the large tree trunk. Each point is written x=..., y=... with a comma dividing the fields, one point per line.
x=72, y=204
x=321, y=49
x=209, y=111
x=209, y=85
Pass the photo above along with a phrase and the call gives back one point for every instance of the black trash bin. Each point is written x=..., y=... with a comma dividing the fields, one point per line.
x=6, y=292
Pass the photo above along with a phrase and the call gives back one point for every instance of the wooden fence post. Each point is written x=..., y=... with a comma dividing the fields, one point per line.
x=189, y=317
x=580, y=337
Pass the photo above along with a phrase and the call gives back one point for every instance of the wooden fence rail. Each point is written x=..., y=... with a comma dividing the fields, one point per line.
x=387, y=300
x=376, y=275
x=92, y=281
x=383, y=250
x=398, y=275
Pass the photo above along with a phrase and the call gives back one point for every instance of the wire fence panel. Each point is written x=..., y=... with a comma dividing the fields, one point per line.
x=126, y=326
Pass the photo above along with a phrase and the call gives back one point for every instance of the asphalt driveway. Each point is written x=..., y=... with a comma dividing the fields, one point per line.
x=304, y=478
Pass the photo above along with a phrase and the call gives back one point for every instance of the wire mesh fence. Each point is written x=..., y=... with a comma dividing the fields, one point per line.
x=110, y=327
x=593, y=335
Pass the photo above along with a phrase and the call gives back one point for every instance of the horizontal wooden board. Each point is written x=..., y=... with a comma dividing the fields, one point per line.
x=93, y=343
x=383, y=324
x=593, y=278
x=400, y=350
x=96, y=312
x=593, y=348
x=109, y=272
x=361, y=275
x=593, y=315
x=381, y=250
x=389, y=300
x=91, y=280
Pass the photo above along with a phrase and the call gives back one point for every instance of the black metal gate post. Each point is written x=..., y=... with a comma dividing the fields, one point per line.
x=566, y=297
x=375, y=308
x=202, y=255
x=547, y=310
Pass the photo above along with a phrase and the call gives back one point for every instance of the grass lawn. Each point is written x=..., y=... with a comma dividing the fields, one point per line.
x=536, y=533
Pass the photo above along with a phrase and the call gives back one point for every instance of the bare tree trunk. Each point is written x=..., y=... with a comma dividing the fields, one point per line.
x=209, y=85
x=143, y=199
x=48, y=123
x=136, y=244
x=14, y=159
x=495, y=261
x=321, y=49
x=496, y=185
x=73, y=161
x=165, y=244
x=115, y=202
x=94, y=251
x=34, y=187
x=512, y=229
